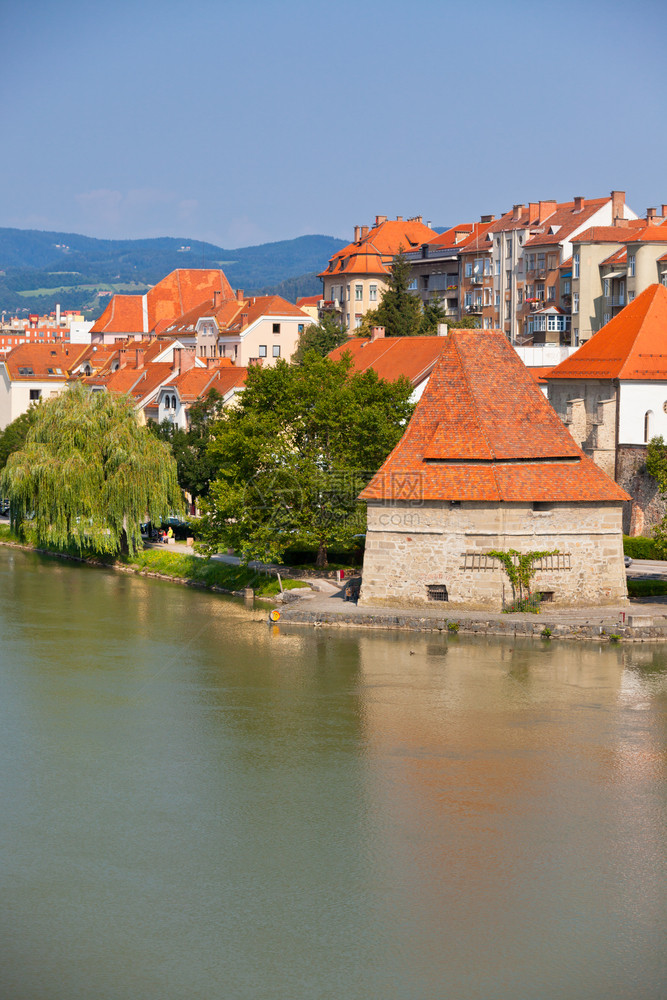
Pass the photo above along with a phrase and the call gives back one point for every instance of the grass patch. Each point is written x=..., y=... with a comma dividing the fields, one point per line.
x=646, y=588
x=206, y=572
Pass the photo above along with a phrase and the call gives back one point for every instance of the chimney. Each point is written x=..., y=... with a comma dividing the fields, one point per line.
x=239, y=295
x=377, y=332
x=617, y=205
x=217, y=294
x=123, y=356
x=418, y=218
x=379, y=219
x=357, y=233
x=664, y=211
x=547, y=208
x=486, y=219
x=516, y=212
x=578, y=203
x=399, y=218
x=443, y=329
x=57, y=313
x=364, y=232
x=139, y=358
x=183, y=360
x=651, y=214
x=533, y=211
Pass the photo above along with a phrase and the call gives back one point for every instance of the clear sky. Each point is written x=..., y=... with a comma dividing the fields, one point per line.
x=243, y=121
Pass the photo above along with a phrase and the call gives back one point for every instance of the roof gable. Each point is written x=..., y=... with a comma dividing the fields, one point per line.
x=632, y=346
x=484, y=431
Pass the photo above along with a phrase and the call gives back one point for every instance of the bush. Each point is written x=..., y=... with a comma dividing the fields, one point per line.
x=646, y=588
x=640, y=547
x=530, y=604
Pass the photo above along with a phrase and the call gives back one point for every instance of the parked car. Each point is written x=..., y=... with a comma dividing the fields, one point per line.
x=628, y=561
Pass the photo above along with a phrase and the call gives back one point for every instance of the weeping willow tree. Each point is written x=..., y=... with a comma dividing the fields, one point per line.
x=89, y=475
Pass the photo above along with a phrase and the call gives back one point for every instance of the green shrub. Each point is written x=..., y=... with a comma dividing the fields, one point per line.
x=546, y=632
x=640, y=547
x=453, y=626
x=646, y=588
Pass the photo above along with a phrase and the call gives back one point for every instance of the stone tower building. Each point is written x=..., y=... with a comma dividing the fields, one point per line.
x=485, y=464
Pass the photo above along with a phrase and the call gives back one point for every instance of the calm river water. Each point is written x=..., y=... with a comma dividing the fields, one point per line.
x=195, y=804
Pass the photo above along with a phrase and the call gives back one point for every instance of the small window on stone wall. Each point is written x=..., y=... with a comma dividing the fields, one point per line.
x=546, y=596
x=540, y=505
x=437, y=592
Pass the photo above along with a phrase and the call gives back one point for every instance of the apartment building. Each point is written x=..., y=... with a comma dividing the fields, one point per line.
x=611, y=265
x=436, y=266
x=358, y=274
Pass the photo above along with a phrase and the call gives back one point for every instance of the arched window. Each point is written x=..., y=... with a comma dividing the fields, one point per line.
x=166, y=402
x=648, y=426
x=173, y=402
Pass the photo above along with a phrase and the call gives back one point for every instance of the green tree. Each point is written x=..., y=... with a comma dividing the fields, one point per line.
x=399, y=312
x=295, y=453
x=321, y=337
x=89, y=475
x=14, y=435
x=433, y=314
x=194, y=464
x=656, y=466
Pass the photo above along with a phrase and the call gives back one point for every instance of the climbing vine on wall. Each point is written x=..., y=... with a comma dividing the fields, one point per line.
x=520, y=567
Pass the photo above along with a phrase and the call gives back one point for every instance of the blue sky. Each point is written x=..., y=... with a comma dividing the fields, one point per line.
x=244, y=122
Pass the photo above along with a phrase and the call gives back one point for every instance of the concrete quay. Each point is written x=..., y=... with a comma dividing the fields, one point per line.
x=638, y=621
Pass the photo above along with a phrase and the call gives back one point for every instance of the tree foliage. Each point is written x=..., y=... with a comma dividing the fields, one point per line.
x=89, y=474
x=293, y=456
x=399, y=312
x=194, y=464
x=322, y=337
x=14, y=435
x=656, y=466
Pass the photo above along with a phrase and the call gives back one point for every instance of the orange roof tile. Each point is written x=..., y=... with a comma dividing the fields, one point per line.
x=567, y=220
x=43, y=361
x=393, y=357
x=483, y=431
x=632, y=345
x=308, y=300
x=370, y=254
x=610, y=234
x=196, y=382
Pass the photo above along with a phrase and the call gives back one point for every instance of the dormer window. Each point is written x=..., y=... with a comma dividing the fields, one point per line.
x=26, y=371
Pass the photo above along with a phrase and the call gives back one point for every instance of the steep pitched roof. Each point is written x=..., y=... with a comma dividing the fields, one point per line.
x=632, y=345
x=372, y=252
x=196, y=382
x=483, y=431
x=174, y=295
x=565, y=220
x=393, y=357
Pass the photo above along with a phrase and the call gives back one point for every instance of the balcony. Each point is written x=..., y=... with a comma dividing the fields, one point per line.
x=618, y=300
x=475, y=309
x=477, y=279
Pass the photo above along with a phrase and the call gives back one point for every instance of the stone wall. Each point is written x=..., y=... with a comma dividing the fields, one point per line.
x=409, y=549
x=588, y=410
x=648, y=507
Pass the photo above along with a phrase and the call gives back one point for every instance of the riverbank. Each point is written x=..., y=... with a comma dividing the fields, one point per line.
x=173, y=567
x=641, y=620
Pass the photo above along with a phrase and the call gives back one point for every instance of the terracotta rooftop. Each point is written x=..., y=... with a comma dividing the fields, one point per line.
x=196, y=382
x=483, y=431
x=174, y=295
x=632, y=345
x=377, y=248
x=565, y=220
x=393, y=357
x=43, y=361
x=610, y=234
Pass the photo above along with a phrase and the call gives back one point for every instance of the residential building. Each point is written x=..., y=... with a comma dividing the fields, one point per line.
x=247, y=330
x=614, y=264
x=358, y=274
x=32, y=372
x=485, y=465
x=137, y=316
x=311, y=305
x=175, y=397
x=392, y=358
x=436, y=265
x=611, y=394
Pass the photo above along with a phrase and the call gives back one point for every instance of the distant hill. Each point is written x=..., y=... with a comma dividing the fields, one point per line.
x=39, y=269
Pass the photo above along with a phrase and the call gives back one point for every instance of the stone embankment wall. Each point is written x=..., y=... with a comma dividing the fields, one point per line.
x=412, y=548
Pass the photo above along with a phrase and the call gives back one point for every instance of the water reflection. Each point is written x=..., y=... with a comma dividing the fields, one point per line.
x=199, y=804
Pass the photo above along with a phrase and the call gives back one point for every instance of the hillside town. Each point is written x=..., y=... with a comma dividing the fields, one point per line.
x=566, y=310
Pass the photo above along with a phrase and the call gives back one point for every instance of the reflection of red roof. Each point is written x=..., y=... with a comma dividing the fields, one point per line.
x=174, y=295
x=632, y=345
x=393, y=357
x=484, y=431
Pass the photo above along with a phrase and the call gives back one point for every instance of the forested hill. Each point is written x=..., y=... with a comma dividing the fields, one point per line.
x=39, y=269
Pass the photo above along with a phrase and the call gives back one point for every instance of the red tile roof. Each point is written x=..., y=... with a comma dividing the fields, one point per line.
x=174, y=295
x=371, y=253
x=393, y=357
x=567, y=220
x=43, y=361
x=632, y=346
x=610, y=234
x=308, y=300
x=483, y=431
x=196, y=382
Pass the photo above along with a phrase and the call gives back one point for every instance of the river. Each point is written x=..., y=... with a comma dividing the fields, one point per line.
x=196, y=804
